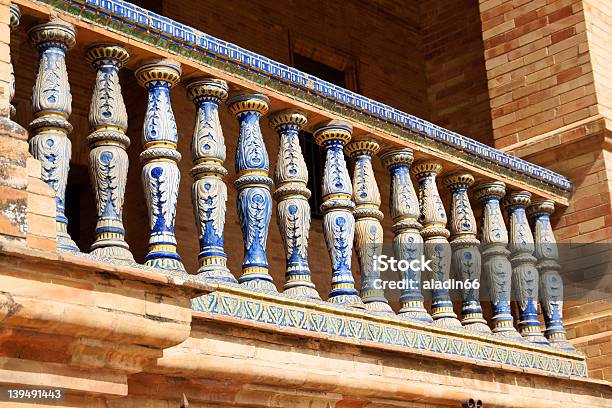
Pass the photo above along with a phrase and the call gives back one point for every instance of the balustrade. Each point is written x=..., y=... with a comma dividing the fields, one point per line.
x=15, y=16
x=351, y=211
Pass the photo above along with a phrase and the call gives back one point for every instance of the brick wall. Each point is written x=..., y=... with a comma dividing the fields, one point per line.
x=548, y=71
x=457, y=91
x=538, y=67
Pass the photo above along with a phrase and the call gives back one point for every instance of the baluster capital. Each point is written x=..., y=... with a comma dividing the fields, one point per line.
x=158, y=72
x=53, y=34
x=399, y=157
x=490, y=190
x=541, y=207
x=333, y=132
x=107, y=55
x=248, y=102
x=207, y=89
x=288, y=119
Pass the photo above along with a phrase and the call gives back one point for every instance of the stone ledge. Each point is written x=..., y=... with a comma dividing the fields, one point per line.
x=84, y=324
x=223, y=363
x=321, y=320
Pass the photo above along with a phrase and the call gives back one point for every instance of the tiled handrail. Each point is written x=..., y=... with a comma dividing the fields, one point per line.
x=125, y=17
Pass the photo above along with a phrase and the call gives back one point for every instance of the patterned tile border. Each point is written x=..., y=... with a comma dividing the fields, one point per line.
x=136, y=22
x=278, y=313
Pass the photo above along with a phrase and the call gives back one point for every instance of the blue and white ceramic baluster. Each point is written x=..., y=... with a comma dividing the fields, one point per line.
x=293, y=210
x=496, y=266
x=253, y=184
x=437, y=249
x=408, y=243
x=209, y=192
x=108, y=158
x=14, y=23
x=337, y=207
x=368, y=229
x=160, y=172
x=525, y=279
x=52, y=105
x=551, y=283
x=466, y=263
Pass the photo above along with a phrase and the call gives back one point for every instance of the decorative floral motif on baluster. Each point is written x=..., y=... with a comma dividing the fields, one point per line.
x=160, y=173
x=466, y=260
x=291, y=194
x=408, y=243
x=253, y=184
x=15, y=16
x=51, y=105
x=108, y=157
x=368, y=229
x=496, y=266
x=337, y=207
x=209, y=192
x=435, y=235
x=551, y=283
x=524, y=273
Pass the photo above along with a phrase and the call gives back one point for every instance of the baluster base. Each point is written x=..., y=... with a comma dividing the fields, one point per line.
x=414, y=310
x=257, y=278
x=347, y=300
x=112, y=251
x=216, y=273
x=503, y=327
x=535, y=337
x=302, y=292
x=475, y=323
x=444, y=316
x=64, y=240
x=556, y=338
x=259, y=284
x=172, y=263
x=65, y=243
x=379, y=307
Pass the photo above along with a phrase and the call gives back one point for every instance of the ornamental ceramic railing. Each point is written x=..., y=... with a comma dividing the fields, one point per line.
x=351, y=215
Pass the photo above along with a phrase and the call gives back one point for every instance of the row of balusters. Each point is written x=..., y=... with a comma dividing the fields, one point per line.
x=350, y=210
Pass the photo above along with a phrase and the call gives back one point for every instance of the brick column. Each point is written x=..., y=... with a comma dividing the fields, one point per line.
x=549, y=77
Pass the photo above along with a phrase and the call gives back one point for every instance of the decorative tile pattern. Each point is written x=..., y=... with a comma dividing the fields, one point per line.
x=374, y=330
x=136, y=22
